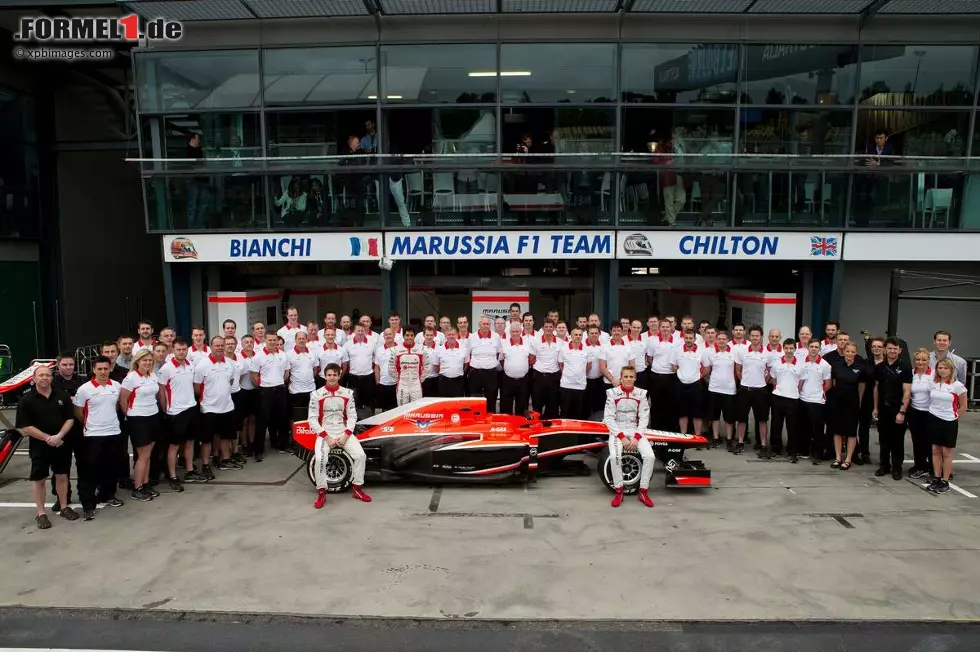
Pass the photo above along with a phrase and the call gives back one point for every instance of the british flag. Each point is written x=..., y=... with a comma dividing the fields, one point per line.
x=823, y=247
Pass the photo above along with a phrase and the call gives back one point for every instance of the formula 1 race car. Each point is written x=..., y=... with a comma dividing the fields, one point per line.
x=451, y=440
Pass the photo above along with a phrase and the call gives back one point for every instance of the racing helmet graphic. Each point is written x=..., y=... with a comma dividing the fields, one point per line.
x=181, y=248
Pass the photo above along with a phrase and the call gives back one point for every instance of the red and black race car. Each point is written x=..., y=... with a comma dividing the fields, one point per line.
x=443, y=440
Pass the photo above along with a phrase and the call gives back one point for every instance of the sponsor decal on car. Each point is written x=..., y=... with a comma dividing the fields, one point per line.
x=455, y=419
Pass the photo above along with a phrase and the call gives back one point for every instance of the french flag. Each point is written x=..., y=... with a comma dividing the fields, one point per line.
x=364, y=247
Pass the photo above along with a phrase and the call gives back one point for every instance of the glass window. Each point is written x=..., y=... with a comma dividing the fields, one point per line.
x=205, y=201
x=176, y=81
x=320, y=76
x=790, y=199
x=799, y=74
x=223, y=136
x=566, y=132
x=803, y=132
x=572, y=73
x=441, y=131
x=680, y=73
x=915, y=133
x=895, y=199
x=442, y=199
x=902, y=75
x=431, y=74
x=336, y=198
x=650, y=198
x=535, y=197
x=707, y=132
x=293, y=134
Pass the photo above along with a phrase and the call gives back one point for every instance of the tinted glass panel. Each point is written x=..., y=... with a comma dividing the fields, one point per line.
x=915, y=133
x=799, y=74
x=936, y=75
x=439, y=73
x=680, y=73
x=223, y=135
x=320, y=76
x=707, y=132
x=441, y=131
x=558, y=72
x=565, y=132
x=175, y=81
x=802, y=132
x=294, y=134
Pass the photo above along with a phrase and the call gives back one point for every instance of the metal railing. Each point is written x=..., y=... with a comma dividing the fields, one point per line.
x=972, y=383
x=83, y=357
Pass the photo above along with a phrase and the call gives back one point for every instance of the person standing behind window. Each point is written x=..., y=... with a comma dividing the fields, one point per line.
x=198, y=187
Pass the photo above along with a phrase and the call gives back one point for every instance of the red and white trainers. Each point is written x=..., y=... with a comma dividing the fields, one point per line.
x=645, y=498
x=618, y=499
x=321, y=498
x=360, y=495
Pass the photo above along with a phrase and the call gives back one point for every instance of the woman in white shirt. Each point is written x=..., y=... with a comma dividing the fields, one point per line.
x=293, y=203
x=947, y=398
x=917, y=416
x=138, y=401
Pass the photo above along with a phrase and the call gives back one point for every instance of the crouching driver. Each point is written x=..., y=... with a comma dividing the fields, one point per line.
x=332, y=416
x=626, y=415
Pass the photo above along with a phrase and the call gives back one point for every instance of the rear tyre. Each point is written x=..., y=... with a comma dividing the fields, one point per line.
x=340, y=471
x=631, y=463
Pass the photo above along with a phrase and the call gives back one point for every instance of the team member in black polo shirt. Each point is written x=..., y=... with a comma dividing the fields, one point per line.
x=67, y=381
x=893, y=390
x=45, y=415
x=849, y=376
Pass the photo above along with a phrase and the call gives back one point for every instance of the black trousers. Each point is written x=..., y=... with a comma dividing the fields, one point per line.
x=483, y=382
x=450, y=387
x=595, y=396
x=364, y=391
x=918, y=423
x=891, y=438
x=387, y=398
x=864, y=424
x=573, y=403
x=514, y=394
x=430, y=387
x=544, y=393
x=74, y=443
x=663, y=402
x=810, y=425
x=274, y=417
x=784, y=411
x=98, y=469
x=643, y=379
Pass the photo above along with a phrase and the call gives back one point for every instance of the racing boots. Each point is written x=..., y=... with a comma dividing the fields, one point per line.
x=645, y=498
x=618, y=498
x=321, y=499
x=360, y=495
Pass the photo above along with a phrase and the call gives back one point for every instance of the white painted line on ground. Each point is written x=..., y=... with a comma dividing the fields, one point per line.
x=974, y=460
x=51, y=649
x=960, y=490
x=970, y=457
x=19, y=452
x=31, y=505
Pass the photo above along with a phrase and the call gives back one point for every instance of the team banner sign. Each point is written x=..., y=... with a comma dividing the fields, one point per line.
x=728, y=245
x=513, y=245
x=252, y=247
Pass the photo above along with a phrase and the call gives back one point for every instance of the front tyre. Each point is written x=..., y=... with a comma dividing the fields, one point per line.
x=632, y=463
x=340, y=471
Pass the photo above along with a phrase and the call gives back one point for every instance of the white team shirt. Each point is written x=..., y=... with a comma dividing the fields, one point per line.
x=814, y=375
x=516, y=357
x=382, y=358
x=288, y=335
x=484, y=350
x=440, y=338
x=545, y=354
x=315, y=345
x=593, y=351
x=399, y=336
x=99, y=404
x=429, y=351
x=178, y=384
x=922, y=390
x=195, y=354
x=143, y=394
x=216, y=379
x=722, y=363
x=661, y=352
x=302, y=370
x=787, y=376
x=450, y=359
x=139, y=346
x=802, y=353
x=638, y=352
x=244, y=369
x=688, y=363
x=944, y=400
x=774, y=353
x=740, y=346
x=236, y=372
x=574, y=361
x=341, y=336
x=271, y=367
x=335, y=354
x=754, y=364
x=826, y=346
x=360, y=352
x=616, y=356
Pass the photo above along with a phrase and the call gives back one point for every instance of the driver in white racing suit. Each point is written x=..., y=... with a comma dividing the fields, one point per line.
x=626, y=415
x=409, y=368
x=332, y=416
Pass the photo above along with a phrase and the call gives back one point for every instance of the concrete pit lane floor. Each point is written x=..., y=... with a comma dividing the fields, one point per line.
x=770, y=541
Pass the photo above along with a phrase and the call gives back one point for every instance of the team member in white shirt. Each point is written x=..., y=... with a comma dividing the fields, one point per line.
x=815, y=382
x=290, y=328
x=574, y=362
x=176, y=379
x=383, y=374
x=451, y=363
x=248, y=397
x=145, y=340
x=663, y=379
x=686, y=362
x=233, y=356
x=638, y=353
x=785, y=374
x=340, y=336
x=360, y=353
x=332, y=352
x=314, y=342
x=774, y=347
x=595, y=383
x=138, y=401
x=719, y=358
x=947, y=398
x=918, y=414
x=751, y=369
x=829, y=343
x=595, y=321
x=625, y=415
x=528, y=322
x=545, y=373
x=515, y=386
x=96, y=408
x=268, y=369
x=653, y=327
x=484, y=353
x=395, y=326
x=198, y=348
x=615, y=355
x=430, y=381
x=214, y=377
x=738, y=338
x=303, y=368
x=803, y=344
x=687, y=323
x=445, y=323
